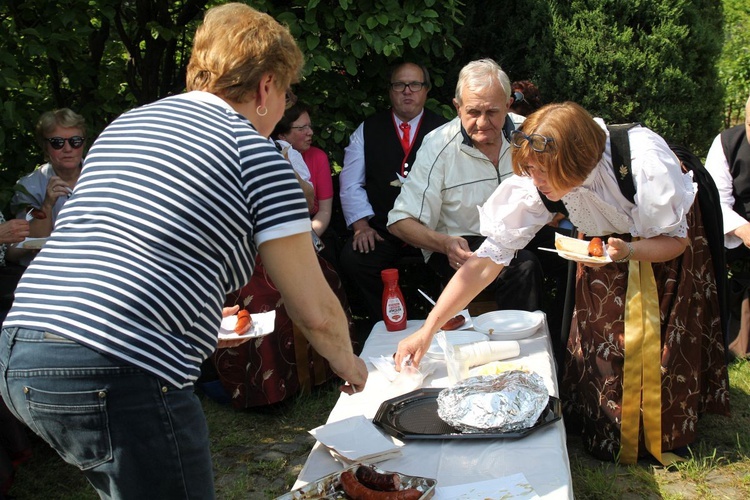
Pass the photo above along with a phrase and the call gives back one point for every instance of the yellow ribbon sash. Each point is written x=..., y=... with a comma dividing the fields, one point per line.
x=641, y=378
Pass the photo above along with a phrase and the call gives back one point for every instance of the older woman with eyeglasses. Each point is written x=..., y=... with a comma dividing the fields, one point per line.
x=113, y=319
x=646, y=340
x=61, y=134
x=295, y=127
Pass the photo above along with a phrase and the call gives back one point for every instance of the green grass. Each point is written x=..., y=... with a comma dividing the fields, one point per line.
x=259, y=452
x=718, y=465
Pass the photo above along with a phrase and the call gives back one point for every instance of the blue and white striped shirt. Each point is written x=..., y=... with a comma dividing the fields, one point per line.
x=172, y=203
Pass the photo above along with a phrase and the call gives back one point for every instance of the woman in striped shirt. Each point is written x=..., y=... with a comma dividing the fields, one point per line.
x=115, y=315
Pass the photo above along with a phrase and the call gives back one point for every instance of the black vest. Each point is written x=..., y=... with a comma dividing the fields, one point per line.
x=383, y=158
x=737, y=153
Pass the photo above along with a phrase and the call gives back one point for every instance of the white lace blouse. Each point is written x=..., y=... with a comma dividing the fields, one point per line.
x=664, y=194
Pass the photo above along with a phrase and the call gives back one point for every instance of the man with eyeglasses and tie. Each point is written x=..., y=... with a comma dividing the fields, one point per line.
x=61, y=134
x=457, y=168
x=378, y=158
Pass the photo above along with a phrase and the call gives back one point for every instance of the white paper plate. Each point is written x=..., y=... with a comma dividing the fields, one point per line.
x=32, y=243
x=467, y=324
x=454, y=337
x=263, y=324
x=508, y=325
x=576, y=250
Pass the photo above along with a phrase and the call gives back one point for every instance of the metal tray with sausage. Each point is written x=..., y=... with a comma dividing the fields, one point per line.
x=365, y=482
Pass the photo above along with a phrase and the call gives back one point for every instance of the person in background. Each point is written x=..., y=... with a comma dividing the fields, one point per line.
x=115, y=315
x=379, y=156
x=621, y=367
x=15, y=447
x=301, y=172
x=525, y=97
x=62, y=136
x=457, y=168
x=728, y=162
x=11, y=232
x=295, y=127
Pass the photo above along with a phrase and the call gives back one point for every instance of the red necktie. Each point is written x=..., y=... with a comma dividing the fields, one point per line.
x=405, y=139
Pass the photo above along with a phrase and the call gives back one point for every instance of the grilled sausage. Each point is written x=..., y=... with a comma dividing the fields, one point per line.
x=358, y=491
x=243, y=322
x=38, y=213
x=377, y=481
x=596, y=247
x=454, y=323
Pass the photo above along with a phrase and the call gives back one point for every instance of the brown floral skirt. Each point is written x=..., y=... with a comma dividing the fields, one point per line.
x=272, y=368
x=693, y=364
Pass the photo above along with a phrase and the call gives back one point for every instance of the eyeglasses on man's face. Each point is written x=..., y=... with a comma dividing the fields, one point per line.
x=537, y=142
x=59, y=142
x=413, y=86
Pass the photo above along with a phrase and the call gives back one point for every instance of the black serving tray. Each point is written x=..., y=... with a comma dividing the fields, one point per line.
x=414, y=416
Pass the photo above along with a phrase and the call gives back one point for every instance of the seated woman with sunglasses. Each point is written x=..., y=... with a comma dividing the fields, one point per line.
x=656, y=302
x=61, y=134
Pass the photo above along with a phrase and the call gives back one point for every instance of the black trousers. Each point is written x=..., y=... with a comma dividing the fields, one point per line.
x=523, y=284
x=362, y=270
x=519, y=286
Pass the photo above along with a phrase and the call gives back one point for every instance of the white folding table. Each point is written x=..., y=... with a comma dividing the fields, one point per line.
x=541, y=456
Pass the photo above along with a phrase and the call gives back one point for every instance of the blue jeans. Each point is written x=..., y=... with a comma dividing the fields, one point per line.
x=132, y=435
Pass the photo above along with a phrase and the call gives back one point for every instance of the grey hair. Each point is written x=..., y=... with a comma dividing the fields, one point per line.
x=63, y=117
x=481, y=74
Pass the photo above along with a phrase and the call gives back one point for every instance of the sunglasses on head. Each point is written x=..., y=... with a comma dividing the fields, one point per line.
x=537, y=142
x=59, y=142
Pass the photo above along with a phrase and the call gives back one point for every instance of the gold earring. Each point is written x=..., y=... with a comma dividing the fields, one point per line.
x=264, y=113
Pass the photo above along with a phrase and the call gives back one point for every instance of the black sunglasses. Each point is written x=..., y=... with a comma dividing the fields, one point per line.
x=59, y=142
x=537, y=142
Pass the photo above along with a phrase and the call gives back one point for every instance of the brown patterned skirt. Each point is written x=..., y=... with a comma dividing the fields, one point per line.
x=693, y=364
x=275, y=367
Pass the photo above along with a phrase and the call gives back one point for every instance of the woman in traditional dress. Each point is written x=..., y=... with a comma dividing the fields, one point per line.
x=640, y=367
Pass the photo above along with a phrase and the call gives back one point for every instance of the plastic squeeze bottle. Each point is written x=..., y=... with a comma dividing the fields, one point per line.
x=394, y=308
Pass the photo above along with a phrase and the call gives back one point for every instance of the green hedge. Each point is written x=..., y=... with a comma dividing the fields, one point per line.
x=651, y=61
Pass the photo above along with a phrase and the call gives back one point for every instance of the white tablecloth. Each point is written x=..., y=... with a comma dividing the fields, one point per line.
x=541, y=456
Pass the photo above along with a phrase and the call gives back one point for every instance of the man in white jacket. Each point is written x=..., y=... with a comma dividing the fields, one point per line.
x=457, y=168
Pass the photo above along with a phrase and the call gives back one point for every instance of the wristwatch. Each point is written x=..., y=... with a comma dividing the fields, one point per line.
x=628, y=256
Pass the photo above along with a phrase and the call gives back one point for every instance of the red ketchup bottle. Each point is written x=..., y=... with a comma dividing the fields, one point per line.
x=394, y=307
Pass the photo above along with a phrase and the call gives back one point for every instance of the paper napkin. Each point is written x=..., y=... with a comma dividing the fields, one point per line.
x=514, y=487
x=355, y=439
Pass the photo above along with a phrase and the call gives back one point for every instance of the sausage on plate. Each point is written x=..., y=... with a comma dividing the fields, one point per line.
x=596, y=247
x=454, y=323
x=377, y=481
x=358, y=491
x=38, y=213
x=243, y=322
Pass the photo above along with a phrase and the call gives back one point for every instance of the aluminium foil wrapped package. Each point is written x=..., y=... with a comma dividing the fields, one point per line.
x=508, y=402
